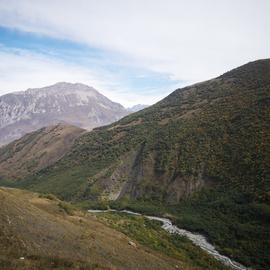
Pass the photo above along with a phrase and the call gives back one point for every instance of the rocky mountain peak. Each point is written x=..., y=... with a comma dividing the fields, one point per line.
x=73, y=103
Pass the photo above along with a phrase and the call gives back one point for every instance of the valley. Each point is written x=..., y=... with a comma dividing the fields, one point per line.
x=134, y=135
x=196, y=239
x=199, y=157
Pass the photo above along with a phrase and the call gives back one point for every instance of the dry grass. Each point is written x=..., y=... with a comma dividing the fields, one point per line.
x=37, y=150
x=37, y=229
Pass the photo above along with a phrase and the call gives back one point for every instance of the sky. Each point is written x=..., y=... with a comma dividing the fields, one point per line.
x=132, y=51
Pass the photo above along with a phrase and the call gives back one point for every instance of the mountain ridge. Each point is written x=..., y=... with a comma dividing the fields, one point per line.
x=76, y=104
x=182, y=110
x=37, y=150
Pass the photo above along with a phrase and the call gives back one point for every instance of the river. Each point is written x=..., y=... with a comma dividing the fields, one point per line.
x=197, y=239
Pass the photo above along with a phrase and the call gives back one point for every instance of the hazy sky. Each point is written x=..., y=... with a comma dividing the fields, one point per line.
x=133, y=51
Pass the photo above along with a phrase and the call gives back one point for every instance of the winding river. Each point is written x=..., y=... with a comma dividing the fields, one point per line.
x=197, y=239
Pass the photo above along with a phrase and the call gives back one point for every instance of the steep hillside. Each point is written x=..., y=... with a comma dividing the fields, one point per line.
x=41, y=232
x=76, y=104
x=37, y=150
x=215, y=132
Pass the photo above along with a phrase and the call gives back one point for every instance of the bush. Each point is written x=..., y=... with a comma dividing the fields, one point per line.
x=67, y=207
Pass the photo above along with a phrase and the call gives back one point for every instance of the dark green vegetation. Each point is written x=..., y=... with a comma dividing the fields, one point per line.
x=203, y=153
x=236, y=223
x=210, y=133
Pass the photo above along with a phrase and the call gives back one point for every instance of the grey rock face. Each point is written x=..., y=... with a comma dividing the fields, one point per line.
x=76, y=104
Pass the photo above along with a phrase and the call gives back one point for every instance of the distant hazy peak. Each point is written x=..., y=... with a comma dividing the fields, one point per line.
x=137, y=107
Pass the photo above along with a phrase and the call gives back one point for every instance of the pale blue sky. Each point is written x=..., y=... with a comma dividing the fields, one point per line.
x=131, y=51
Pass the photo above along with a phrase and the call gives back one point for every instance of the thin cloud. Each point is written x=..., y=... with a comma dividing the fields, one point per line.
x=22, y=69
x=187, y=40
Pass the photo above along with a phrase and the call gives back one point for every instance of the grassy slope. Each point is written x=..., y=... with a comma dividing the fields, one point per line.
x=50, y=234
x=36, y=150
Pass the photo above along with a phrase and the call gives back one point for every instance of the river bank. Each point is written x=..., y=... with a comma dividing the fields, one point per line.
x=197, y=239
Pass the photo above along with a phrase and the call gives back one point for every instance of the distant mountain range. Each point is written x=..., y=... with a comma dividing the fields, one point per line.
x=76, y=104
x=137, y=107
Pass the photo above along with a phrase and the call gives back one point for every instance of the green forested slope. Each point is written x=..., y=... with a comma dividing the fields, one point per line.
x=206, y=134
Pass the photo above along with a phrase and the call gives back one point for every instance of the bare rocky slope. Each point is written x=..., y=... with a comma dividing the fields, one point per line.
x=76, y=104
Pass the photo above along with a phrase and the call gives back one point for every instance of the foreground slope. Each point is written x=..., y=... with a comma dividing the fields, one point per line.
x=35, y=228
x=42, y=233
x=72, y=103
